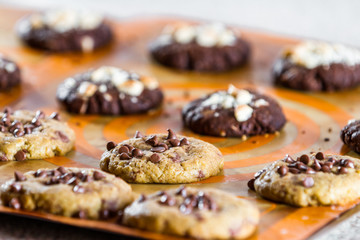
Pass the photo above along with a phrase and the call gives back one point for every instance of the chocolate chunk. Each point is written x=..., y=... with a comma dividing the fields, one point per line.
x=124, y=149
x=98, y=175
x=110, y=145
x=171, y=134
x=320, y=156
x=308, y=182
x=62, y=136
x=152, y=140
x=20, y=155
x=283, y=170
x=124, y=156
x=305, y=159
x=184, y=141
x=137, y=153
x=138, y=134
x=155, y=158
x=251, y=184
x=55, y=116
x=15, y=203
x=19, y=177
x=78, y=189
x=15, y=187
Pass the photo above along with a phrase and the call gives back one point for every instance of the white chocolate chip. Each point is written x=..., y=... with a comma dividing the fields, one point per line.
x=227, y=38
x=243, y=97
x=150, y=82
x=87, y=44
x=107, y=97
x=36, y=21
x=115, y=75
x=102, y=88
x=216, y=114
x=69, y=82
x=134, y=100
x=133, y=88
x=243, y=113
x=87, y=89
x=260, y=102
x=10, y=67
x=185, y=34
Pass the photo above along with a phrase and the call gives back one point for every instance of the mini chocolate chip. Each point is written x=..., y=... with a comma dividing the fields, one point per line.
x=305, y=159
x=184, y=141
x=301, y=166
x=79, y=175
x=20, y=155
x=316, y=165
x=152, y=140
x=39, y=114
x=78, y=189
x=19, y=176
x=40, y=173
x=123, y=149
x=62, y=170
x=137, y=153
x=15, y=187
x=167, y=200
x=158, y=149
x=15, y=125
x=73, y=180
x=35, y=122
x=325, y=168
x=15, y=203
x=124, y=156
x=138, y=134
x=129, y=147
x=320, y=156
x=343, y=170
x=294, y=170
x=251, y=184
x=329, y=164
x=110, y=145
x=258, y=173
x=62, y=136
x=19, y=132
x=308, y=182
x=6, y=121
x=283, y=170
x=174, y=142
x=98, y=175
x=181, y=191
x=349, y=164
x=27, y=130
x=55, y=116
x=171, y=134
x=333, y=161
x=310, y=171
x=155, y=158
x=142, y=198
x=288, y=159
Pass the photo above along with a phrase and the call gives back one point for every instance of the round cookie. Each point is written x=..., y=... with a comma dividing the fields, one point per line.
x=109, y=91
x=318, y=66
x=31, y=135
x=195, y=213
x=201, y=47
x=350, y=135
x=9, y=74
x=234, y=113
x=64, y=30
x=162, y=158
x=71, y=192
x=311, y=180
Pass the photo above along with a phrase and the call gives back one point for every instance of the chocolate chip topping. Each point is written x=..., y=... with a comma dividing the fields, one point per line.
x=320, y=156
x=171, y=139
x=20, y=155
x=152, y=140
x=98, y=175
x=137, y=153
x=55, y=116
x=155, y=158
x=171, y=134
x=19, y=177
x=184, y=141
x=110, y=145
x=283, y=170
x=138, y=134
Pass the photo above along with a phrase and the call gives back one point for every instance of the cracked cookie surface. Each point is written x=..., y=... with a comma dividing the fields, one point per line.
x=162, y=158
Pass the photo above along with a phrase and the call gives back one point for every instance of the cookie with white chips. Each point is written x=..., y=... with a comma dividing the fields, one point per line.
x=200, y=47
x=318, y=66
x=109, y=91
x=234, y=113
x=64, y=30
x=9, y=74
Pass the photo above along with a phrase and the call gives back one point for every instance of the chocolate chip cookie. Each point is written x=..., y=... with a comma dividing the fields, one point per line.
x=71, y=192
x=310, y=180
x=195, y=213
x=64, y=30
x=162, y=158
x=200, y=47
x=318, y=66
x=109, y=91
x=32, y=135
x=350, y=135
x=234, y=113
x=9, y=74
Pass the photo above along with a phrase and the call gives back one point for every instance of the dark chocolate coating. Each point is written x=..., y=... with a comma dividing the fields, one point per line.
x=96, y=104
x=9, y=79
x=350, y=135
x=265, y=119
x=194, y=57
x=330, y=78
x=46, y=38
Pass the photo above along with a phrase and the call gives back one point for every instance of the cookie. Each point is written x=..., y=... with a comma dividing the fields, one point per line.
x=31, y=135
x=162, y=158
x=310, y=180
x=318, y=66
x=109, y=91
x=195, y=213
x=350, y=135
x=201, y=47
x=64, y=30
x=234, y=113
x=71, y=192
x=9, y=74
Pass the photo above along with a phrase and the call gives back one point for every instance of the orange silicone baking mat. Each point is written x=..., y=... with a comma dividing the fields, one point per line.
x=314, y=119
